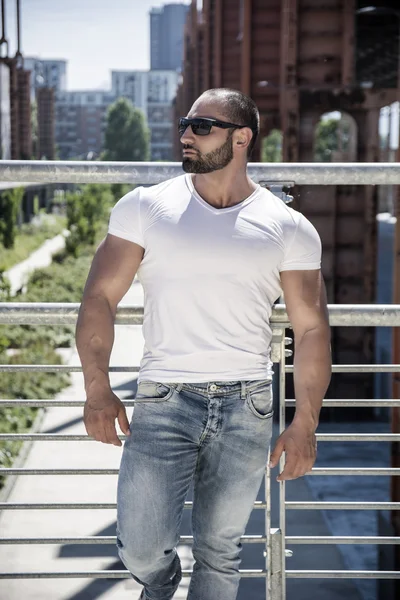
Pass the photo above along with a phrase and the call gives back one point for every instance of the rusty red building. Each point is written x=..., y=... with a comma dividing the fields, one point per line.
x=299, y=60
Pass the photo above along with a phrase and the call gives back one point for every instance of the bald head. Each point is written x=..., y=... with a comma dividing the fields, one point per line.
x=235, y=107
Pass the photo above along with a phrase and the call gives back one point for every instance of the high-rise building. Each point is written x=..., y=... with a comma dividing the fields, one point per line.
x=46, y=73
x=166, y=36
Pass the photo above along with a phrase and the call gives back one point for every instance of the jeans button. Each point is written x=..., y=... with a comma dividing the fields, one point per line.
x=213, y=387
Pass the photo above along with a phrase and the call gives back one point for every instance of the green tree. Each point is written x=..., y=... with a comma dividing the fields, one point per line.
x=271, y=147
x=10, y=205
x=326, y=140
x=127, y=137
x=86, y=211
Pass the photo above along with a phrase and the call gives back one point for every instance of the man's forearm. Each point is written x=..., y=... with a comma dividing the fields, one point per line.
x=312, y=373
x=94, y=340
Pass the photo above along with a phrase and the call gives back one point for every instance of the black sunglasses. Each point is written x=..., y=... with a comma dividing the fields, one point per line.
x=202, y=126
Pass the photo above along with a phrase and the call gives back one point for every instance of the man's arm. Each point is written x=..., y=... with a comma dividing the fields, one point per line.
x=113, y=269
x=306, y=305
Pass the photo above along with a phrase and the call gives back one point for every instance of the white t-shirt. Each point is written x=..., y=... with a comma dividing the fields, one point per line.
x=210, y=277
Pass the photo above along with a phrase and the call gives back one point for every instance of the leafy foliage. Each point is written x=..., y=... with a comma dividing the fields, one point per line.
x=326, y=139
x=10, y=204
x=127, y=137
x=87, y=210
x=271, y=147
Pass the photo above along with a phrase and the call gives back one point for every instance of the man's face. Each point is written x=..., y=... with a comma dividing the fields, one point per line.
x=211, y=152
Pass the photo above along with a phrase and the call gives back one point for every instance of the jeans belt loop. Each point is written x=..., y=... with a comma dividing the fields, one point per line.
x=243, y=390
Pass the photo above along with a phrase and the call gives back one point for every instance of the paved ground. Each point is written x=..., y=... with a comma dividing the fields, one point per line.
x=18, y=274
x=127, y=350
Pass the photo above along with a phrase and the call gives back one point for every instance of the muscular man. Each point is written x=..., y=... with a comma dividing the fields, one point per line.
x=213, y=251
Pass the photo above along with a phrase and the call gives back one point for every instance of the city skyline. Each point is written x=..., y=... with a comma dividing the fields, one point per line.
x=103, y=39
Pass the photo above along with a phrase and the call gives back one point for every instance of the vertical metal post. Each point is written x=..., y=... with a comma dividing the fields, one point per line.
x=282, y=499
x=268, y=544
x=276, y=577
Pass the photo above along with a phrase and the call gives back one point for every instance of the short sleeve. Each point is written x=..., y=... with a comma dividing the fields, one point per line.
x=304, y=250
x=125, y=218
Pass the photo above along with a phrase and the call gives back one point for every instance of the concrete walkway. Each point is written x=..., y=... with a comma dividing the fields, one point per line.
x=18, y=275
x=127, y=350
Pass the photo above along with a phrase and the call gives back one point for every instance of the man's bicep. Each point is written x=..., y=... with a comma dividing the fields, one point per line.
x=305, y=299
x=113, y=269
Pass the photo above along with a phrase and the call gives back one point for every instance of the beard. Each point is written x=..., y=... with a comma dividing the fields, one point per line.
x=213, y=161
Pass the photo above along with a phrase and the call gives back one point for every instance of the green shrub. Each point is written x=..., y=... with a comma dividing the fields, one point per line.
x=13, y=420
x=10, y=205
x=26, y=385
x=5, y=287
x=87, y=210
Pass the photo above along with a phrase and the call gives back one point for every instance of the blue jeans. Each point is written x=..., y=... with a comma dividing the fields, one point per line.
x=218, y=435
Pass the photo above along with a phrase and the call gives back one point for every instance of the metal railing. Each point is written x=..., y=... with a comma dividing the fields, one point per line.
x=275, y=540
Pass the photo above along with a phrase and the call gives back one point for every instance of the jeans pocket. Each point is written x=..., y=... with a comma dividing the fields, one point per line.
x=152, y=391
x=259, y=399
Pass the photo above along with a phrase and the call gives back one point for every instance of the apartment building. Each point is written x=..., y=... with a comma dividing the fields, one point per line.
x=80, y=122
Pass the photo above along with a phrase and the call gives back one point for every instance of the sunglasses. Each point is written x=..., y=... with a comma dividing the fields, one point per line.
x=202, y=126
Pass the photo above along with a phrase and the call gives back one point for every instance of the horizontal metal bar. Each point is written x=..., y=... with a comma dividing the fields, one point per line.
x=40, y=403
x=66, y=313
x=321, y=437
x=109, y=539
x=343, y=574
x=350, y=315
x=49, y=437
x=59, y=313
x=6, y=471
x=357, y=368
x=84, y=505
x=188, y=539
x=354, y=471
x=59, y=369
x=337, y=540
x=122, y=574
x=358, y=437
x=44, y=403
x=57, y=171
x=12, y=471
x=342, y=505
x=350, y=403
x=121, y=369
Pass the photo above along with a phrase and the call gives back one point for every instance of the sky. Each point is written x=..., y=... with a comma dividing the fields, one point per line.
x=94, y=36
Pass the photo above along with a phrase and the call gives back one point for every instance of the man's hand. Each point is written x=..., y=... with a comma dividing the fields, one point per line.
x=99, y=416
x=300, y=446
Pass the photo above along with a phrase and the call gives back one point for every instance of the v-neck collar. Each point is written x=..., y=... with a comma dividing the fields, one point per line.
x=213, y=209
